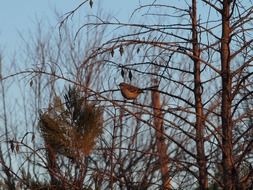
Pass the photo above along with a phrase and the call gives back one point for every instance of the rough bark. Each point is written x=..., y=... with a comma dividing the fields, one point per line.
x=160, y=140
x=52, y=166
x=199, y=124
x=229, y=173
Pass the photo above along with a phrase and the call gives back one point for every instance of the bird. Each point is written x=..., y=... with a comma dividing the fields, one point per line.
x=131, y=92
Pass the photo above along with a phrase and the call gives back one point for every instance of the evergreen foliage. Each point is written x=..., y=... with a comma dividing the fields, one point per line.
x=71, y=129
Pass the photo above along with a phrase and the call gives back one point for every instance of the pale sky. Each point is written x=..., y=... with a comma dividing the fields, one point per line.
x=22, y=15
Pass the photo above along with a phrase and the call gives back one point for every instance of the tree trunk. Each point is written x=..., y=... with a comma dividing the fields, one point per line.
x=229, y=173
x=52, y=166
x=199, y=125
x=160, y=140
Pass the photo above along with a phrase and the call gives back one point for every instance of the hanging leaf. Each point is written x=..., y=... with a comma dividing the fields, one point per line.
x=122, y=73
x=130, y=76
x=31, y=83
x=33, y=137
x=121, y=50
x=91, y=3
x=12, y=145
x=112, y=52
x=138, y=50
x=17, y=147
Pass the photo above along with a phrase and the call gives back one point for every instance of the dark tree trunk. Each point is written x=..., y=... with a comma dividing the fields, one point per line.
x=199, y=125
x=52, y=167
x=229, y=173
x=160, y=139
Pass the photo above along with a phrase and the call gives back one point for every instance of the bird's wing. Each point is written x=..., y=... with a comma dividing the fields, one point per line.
x=133, y=89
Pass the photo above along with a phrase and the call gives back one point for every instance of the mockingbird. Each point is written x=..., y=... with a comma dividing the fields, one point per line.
x=131, y=92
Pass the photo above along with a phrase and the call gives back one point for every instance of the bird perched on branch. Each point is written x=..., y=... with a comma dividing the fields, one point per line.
x=131, y=92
